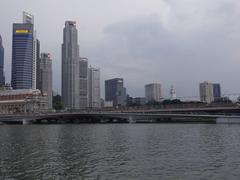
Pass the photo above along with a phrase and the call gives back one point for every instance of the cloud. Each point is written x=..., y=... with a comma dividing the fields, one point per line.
x=192, y=47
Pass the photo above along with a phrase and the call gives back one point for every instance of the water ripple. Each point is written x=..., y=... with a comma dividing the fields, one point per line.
x=128, y=152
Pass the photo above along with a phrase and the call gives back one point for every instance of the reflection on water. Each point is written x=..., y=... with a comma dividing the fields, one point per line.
x=120, y=151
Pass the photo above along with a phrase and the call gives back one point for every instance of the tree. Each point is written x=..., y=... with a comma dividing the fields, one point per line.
x=57, y=102
x=222, y=100
x=238, y=98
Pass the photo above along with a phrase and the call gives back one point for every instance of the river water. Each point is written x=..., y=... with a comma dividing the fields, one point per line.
x=120, y=151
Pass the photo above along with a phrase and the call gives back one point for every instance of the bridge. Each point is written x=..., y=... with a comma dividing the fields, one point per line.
x=206, y=109
x=118, y=117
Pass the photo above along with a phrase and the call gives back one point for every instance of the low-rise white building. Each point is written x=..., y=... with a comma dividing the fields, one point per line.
x=108, y=103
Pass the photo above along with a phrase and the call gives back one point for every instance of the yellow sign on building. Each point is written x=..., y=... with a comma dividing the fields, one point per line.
x=22, y=31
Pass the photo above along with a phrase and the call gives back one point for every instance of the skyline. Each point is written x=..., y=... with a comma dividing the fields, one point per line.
x=174, y=52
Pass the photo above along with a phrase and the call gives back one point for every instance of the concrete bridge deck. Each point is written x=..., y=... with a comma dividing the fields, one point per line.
x=89, y=117
x=223, y=109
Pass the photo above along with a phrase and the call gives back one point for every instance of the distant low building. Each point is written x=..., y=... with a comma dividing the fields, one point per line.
x=22, y=101
x=5, y=87
x=140, y=101
x=108, y=103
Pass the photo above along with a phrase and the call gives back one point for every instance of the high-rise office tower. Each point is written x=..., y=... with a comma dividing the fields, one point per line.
x=70, y=66
x=206, y=92
x=2, y=77
x=44, y=76
x=216, y=91
x=29, y=19
x=173, y=94
x=83, y=82
x=22, y=56
x=153, y=92
x=115, y=92
x=94, y=87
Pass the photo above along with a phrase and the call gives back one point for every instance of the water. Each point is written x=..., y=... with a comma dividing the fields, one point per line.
x=120, y=151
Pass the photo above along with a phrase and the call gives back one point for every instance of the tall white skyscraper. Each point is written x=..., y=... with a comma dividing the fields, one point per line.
x=94, y=87
x=44, y=74
x=70, y=66
x=153, y=92
x=29, y=19
x=83, y=82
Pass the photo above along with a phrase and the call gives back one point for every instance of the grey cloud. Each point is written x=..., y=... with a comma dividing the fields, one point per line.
x=170, y=57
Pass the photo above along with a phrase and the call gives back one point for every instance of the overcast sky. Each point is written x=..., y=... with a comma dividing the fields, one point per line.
x=173, y=42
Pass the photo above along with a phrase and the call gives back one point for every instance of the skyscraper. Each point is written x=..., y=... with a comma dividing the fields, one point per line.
x=206, y=92
x=153, y=92
x=83, y=82
x=2, y=77
x=29, y=19
x=44, y=76
x=70, y=66
x=94, y=87
x=115, y=92
x=216, y=91
x=22, y=56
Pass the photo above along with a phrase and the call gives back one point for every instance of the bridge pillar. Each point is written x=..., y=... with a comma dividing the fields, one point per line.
x=131, y=120
x=25, y=121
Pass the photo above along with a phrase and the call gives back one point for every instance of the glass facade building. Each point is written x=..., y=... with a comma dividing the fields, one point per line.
x=216, y=91
x=22, y=56
x=115, y=92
